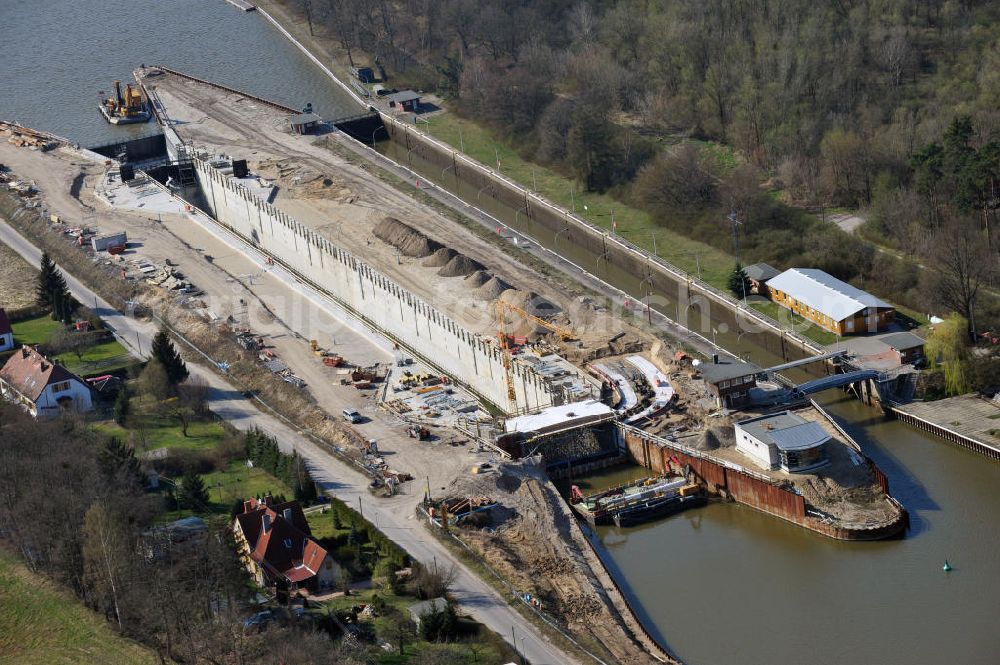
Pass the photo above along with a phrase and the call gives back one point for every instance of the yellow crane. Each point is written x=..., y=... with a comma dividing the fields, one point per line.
x=500, y=308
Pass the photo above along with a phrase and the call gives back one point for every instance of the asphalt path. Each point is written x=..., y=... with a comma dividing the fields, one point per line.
x=396, y=517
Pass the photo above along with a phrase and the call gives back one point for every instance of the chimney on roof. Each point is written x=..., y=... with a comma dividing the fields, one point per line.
x=266, y=522
x=44, y=366
x=287, y=513
x=248, y=506
x=715, y=358
x=25, y=352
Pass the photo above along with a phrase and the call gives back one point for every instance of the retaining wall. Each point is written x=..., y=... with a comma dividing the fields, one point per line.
x=666, y=280
x=379, y=302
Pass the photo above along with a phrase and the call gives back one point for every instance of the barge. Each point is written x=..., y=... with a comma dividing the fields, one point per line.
x=125, y=107
x=636, y=502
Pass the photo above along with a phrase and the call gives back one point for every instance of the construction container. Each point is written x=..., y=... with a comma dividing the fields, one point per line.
x=103, y=243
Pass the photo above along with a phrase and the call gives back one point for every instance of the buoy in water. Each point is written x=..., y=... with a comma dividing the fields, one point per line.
x=946, y=567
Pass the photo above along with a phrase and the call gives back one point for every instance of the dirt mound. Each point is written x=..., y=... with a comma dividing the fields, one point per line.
x=477, y=279
x=532, y=303
x=440, y=258
x=492, y=289
x=715, y=438
x=405, y=238
x=459, y=266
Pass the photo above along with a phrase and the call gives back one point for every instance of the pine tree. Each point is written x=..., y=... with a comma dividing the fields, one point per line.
x=50, y=281
x=193, y=494
x=739, y=283
x=164, y=351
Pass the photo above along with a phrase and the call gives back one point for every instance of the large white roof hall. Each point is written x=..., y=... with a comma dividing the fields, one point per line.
x=825, y=293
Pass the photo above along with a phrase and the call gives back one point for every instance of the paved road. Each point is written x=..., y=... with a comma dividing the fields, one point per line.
x=395, y=517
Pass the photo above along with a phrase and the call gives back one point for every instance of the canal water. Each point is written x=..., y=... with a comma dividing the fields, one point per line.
x=719, y=585
x=57, y=56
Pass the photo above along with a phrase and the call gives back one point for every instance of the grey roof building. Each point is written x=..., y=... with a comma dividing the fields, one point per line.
x=761, y=272
x=784, y=440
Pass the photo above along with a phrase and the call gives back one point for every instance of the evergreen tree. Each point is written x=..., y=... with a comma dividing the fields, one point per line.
x=164, y=351
x=50, y=281
x=121, y=406
x=739, y=283
x=118, y=463
x=193, y=492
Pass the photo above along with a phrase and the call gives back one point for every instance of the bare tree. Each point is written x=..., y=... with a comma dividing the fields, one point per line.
x=960, y=254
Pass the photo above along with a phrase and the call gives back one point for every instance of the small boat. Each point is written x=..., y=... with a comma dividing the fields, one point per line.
x=125, y=107
x=637, y=501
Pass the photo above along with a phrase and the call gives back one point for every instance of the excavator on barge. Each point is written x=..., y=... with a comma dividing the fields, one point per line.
x=125, y=106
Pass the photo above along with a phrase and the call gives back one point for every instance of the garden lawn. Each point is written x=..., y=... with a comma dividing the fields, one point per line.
x=35, y=331
x=98, y=359
x=43, y=625
x=633, y=224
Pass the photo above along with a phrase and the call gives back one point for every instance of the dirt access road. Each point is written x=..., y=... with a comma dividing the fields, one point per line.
x=394, y=516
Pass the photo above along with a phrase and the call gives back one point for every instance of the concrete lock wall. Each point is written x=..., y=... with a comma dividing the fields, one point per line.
x=388, y=308
x=689, y=297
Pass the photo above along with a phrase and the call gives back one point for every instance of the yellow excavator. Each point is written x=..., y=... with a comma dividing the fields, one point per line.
x=125, y=106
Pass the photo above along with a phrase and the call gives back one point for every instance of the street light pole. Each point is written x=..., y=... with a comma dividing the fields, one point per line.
x=735, y=223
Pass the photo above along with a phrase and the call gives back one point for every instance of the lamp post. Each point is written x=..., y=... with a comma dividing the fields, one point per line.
x=481, y=190
x=382, y=127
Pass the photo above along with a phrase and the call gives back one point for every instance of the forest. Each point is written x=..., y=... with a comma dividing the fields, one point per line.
x=778, y=109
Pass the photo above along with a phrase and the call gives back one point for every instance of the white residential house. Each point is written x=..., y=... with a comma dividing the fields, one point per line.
x=783, y=440
x=42, y=386
x=6, y=332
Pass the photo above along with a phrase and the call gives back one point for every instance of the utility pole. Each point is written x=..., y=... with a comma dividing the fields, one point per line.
x=735, y=223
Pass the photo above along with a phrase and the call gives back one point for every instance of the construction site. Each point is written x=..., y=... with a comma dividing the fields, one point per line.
x=461, y=376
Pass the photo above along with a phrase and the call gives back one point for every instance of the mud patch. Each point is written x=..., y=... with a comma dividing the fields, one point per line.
x=405, y=238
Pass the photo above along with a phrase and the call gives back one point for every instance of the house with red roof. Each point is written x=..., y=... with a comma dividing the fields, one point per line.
x=6, y=332
x=42, y=386
x=276, y=546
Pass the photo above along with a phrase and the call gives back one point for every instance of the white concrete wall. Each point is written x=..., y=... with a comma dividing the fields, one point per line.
x=381, y=303
x=763, y=455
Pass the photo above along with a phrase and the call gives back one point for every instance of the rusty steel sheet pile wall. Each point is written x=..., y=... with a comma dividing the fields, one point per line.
x=371, y=297
x=749, y=488
x=693, y=302
x=764, y=496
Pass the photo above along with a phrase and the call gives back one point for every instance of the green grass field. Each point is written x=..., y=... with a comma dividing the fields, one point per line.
x=41, y=624
x=633, y=224
x=35, y=331
x=154, y=431
x=151, y=431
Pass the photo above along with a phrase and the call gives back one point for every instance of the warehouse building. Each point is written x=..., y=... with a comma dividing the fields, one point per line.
x=830, y=303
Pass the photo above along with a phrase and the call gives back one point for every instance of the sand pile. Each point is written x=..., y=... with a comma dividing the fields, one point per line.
x=459, y=266
x=532, y=303
x=405, y=238
x=492, y=289
x=477, y=279
x=440, y=258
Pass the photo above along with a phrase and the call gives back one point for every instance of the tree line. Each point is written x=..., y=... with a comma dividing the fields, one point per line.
x=847, y=103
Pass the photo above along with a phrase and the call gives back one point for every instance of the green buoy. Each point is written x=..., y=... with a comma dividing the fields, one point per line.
x=946, y=567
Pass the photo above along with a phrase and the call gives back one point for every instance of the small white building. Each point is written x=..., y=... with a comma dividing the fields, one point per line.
x=783, y=440
x=42, y=386
x=6, y=332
